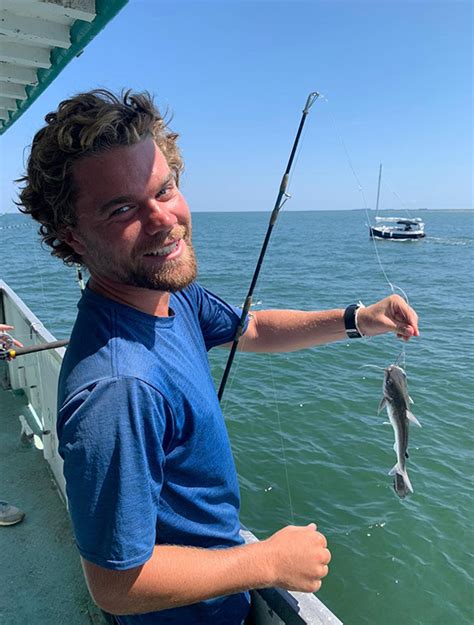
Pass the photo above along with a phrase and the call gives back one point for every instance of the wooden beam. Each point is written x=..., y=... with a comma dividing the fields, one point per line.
x=34, y=30
x=26, y=56
x=53, y=9
x=8, y=103
x=20, y=75
x=13, y=91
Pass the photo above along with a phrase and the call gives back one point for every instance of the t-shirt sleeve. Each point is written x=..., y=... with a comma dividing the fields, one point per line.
x=111, y=437
x=219, y=320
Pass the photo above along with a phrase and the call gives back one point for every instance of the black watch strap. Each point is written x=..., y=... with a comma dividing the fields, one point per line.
x=350, y=321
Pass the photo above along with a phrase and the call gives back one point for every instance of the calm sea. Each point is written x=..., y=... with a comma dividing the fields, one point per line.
x=308, y=442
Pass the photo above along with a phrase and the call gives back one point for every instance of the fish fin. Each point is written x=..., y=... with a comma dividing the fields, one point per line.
x=411, y=417
x=386, y=423
x=406, y=481
x=410, y=400
x=382, y=404
x=396, y=469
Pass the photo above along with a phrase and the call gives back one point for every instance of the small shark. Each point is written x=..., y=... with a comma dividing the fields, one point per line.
x=397, y=401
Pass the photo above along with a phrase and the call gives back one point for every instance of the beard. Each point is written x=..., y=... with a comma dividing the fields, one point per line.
x=174, y=276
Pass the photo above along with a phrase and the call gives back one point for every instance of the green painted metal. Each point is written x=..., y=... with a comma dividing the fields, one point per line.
x=81, y=34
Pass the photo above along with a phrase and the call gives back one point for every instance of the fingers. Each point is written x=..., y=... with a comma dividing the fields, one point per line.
x=4, y=327
x=322, y=540
x=406, y=332
x=299, y=557
x=391, y=314
x=327, y=556
x=404, y=317
x=321, y=571
x=323, y=556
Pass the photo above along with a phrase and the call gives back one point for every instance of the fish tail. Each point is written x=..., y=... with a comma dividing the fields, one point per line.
x=397, y=470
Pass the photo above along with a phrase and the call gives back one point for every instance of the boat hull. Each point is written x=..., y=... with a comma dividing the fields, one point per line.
x=395, y=234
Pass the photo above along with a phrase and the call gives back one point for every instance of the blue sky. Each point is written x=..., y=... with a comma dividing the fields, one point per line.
x=397, y=78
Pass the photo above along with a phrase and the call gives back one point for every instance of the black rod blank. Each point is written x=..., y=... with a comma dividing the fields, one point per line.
x=278, y=204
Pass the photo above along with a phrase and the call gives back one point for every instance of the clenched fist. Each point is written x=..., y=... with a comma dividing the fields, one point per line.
x=298, y=558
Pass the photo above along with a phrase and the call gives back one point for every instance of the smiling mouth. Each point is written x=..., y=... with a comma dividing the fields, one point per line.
x=165, y=250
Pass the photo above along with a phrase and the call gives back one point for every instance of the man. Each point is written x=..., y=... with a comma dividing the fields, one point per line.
x=151, y=483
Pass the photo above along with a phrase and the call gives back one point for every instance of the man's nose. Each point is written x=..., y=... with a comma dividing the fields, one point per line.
x=158, y=217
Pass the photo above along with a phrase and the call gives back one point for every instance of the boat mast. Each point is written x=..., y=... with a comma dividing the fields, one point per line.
x=378, y=191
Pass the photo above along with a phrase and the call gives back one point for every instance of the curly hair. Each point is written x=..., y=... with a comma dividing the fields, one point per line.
x=89, y=123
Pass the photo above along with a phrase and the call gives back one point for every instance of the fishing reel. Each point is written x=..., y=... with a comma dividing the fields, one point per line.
x=10, y=348
x=7, y=343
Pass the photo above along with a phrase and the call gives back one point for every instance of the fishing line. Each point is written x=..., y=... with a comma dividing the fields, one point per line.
x=402, y=202
x=269, y=360
x=282, y=198
x=269, y=356
x=361, y=191
x=393, y=287
x=282, y=441
x=259, y=299
x=38, y=269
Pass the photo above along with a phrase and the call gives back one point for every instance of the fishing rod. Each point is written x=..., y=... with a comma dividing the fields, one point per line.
x=281, y=199
x=9, y=352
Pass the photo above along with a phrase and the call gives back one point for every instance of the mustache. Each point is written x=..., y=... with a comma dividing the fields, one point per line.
x=178, y=232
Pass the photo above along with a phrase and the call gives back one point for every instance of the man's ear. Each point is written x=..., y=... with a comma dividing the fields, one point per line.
x=74, y=240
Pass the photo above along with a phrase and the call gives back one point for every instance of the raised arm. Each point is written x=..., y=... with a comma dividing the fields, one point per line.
x=290, y=330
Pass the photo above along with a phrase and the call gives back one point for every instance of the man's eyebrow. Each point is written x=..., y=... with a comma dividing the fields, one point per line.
x=124, y=199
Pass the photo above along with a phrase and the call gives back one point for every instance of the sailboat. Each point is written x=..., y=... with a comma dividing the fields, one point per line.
x=395, y=228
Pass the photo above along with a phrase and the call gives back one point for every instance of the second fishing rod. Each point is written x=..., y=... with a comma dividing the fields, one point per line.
x=281, y=199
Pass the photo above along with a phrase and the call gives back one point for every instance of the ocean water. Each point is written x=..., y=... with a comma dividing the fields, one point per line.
x=308, y=443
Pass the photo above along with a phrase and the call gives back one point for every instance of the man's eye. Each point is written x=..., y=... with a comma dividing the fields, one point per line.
x=165, y=190
x=121, y=211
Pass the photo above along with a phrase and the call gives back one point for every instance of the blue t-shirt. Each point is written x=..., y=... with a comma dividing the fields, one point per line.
x=147, y=458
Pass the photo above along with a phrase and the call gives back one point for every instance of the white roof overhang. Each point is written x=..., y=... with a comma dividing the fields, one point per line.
x=38, y=38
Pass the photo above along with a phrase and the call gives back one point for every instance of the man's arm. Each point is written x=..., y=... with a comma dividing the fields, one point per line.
x=290, y=330
x=294, y=558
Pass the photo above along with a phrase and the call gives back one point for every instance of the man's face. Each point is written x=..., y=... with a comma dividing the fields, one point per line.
x=134, y=226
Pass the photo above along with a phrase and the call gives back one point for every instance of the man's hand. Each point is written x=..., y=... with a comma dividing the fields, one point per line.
x=299, y=558
x=391, y=314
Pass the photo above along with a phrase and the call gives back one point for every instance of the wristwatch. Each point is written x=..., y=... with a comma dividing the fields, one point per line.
x=350, y=324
